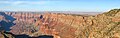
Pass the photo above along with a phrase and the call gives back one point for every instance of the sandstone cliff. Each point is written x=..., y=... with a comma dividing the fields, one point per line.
x=104, y=25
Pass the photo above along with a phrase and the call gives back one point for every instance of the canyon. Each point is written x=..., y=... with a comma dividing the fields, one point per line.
x=60, y=25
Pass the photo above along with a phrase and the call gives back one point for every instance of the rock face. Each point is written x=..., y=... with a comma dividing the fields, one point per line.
x=77, y=26
x=106, y=25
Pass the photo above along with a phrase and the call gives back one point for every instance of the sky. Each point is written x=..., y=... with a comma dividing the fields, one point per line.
x=59, y=5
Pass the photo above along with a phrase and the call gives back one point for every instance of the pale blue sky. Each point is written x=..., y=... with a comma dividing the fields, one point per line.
x=59, y=5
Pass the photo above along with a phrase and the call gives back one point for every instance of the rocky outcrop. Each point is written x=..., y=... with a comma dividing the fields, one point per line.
x=78, y=26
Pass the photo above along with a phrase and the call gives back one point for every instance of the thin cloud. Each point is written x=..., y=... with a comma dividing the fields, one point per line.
x=29, y=2
x=4, y=2
x=23, y=2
